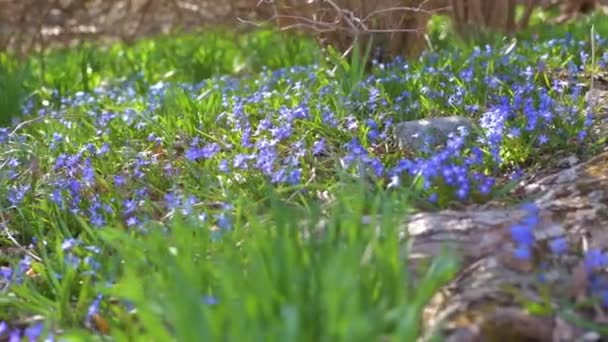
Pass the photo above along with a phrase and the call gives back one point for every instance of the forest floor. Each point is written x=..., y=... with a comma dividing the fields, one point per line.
x=224, y=186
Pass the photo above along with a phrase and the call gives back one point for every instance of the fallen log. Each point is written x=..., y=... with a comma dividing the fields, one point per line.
x=483, y=302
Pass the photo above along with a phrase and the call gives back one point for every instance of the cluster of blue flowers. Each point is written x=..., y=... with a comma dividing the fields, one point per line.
x=595, y=260
x=30, y=334
x=274, y=116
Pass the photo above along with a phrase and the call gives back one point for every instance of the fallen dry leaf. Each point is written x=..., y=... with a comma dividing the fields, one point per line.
x=101, y=324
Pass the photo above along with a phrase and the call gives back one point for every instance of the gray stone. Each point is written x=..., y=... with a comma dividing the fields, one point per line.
x=597, y=101
x=428, y=134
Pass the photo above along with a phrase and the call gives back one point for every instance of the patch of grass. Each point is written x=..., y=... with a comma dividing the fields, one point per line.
x=13, y=89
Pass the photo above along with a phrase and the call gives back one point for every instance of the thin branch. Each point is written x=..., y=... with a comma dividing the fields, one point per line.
x=24, y=123
x=355, y=24
x=405, y=8
x=10, y=236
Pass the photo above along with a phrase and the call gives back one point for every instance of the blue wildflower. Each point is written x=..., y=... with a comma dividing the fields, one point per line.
x=294, y=176
x=71, y=260
x=93, y=310
x=17, y=194
x=282, y=132
x=210, y=300
x=604, y=298
x=119, y=181
x=33, y=332
x=523, y=252
x=595, y=259
x=522, y=234
x=205, y=152
x=4, y=133
x=223, y=221
x=188, y=205
x=542, y=139
x=223, y=166
x=15, y=336
x=56, y=140
x=241, y=161
x=129, y=206
x=558, y=246
x=172, y=200
x=88, y=173
x=69, y=243
x=132, y=221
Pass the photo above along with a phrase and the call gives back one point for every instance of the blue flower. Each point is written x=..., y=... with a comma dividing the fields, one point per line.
x=56, y=140
x=523, y=252
x=582, y=135
x=462, y=193
x=119, y=181
x=33, y=332
x=604, y=298
x=241, y=161
x=282, y=132
x=105, y=148
x=223, y=221
x=542, y=139
x=17, y=194
x=318, y=147
x=205, y=152
x=132, y=221
x=188, y=205
x=223, y=166
x=129, y=207
x=294, y=176
x=88, y=173
x=15, y=336
x=559, y=246
x=531, y=209
x=93, y=310
x=4, y=133
x=96, y=219
x=595, y=259
x=210, y=300
x=92, y=263
x=71, y=260
x=68, y=244
x=173, y=201
x=522, y=234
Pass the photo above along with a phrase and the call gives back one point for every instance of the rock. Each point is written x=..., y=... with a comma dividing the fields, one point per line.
x=597, y=101
x=428, y=134
x=567, y=162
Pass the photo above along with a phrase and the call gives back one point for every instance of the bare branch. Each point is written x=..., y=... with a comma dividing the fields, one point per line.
x=405, y=8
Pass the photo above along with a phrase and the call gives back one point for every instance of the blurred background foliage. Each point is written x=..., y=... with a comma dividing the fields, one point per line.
x=398, y=26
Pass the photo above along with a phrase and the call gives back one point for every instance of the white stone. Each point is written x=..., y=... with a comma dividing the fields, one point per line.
x=419, y=135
